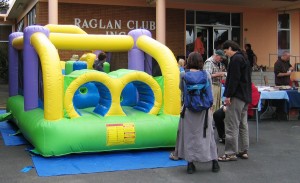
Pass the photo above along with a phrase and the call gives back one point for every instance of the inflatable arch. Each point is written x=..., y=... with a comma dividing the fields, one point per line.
x=128, y=108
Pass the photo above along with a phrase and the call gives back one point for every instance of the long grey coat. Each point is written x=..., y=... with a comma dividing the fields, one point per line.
x=190, y=144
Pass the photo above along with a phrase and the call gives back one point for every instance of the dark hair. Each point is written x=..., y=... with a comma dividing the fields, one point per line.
x=245, y=54
x=194, y=61
x=199, y=34
x=101, y=56
x=234, y=46
x=248, y=45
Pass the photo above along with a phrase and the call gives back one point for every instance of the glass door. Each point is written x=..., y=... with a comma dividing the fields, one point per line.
x=212, y=38
x=220, y=35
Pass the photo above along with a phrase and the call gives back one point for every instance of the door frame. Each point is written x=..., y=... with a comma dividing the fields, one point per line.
x=205, y=37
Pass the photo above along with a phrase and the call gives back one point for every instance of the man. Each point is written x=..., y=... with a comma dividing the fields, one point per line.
x=219, y=114
x=283, y=69
x=198, y=45
x=251, y=55
x=238, y=95
x=99, y=63
x=214, y=66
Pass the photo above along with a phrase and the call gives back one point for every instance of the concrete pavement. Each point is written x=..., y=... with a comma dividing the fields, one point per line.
x=274, y=159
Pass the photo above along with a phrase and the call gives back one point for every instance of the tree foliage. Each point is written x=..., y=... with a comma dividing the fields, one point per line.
x=4, y=5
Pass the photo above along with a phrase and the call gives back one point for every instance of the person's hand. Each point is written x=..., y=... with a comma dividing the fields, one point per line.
x=227, y=101
x=223, y=74
x=224, y=108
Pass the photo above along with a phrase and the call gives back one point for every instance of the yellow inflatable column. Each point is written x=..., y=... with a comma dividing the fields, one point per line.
x=168, y=65
x=71, y=29
x=52, y=76
x=89, y=58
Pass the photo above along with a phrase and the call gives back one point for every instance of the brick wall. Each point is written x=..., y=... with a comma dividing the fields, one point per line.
x=175, y=29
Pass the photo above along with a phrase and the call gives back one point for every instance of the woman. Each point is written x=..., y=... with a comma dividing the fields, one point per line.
x=191, y=145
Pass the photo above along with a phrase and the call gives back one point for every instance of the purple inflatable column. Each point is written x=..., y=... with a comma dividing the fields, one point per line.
x=30, y=59
x=13, y=65
x=136, y=57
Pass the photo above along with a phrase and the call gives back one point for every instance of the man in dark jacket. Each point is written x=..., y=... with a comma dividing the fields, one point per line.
x=250, y=54
x=283, y=69
x=238, y=95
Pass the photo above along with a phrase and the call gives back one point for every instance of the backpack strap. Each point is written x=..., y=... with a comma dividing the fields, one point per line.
x=182, y=111
x=206, y=111
x=205, y=123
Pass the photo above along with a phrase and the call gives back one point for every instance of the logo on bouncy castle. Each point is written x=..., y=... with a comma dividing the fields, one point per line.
x=119, y=134
x=114, y=27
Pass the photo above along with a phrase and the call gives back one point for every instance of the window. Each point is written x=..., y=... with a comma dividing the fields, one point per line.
x=283, y=33
x=31, y=17
x=212, y=18
x=216, y=27
x=236, y=35
x=5, y=30
x=190, y=17
x=235, y=19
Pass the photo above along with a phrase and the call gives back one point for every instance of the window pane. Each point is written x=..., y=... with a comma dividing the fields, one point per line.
x=212, y=18
x=283, y=40
x=5, y=32
x=31, y=17
x=220, y=36
x=20, y=26
x=283, y=21
x=34, y=16
x=236, y=35
x=235, y=19
x=189, y=39
x=190, y=17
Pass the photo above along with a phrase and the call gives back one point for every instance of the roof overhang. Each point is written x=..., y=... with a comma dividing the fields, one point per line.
x=18, y=6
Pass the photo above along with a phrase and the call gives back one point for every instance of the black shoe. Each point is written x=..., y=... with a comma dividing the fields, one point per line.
x=191, y=168
x=215, y=166
x=222, y=140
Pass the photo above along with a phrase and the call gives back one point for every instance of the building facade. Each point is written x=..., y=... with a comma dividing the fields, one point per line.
x=269, y=30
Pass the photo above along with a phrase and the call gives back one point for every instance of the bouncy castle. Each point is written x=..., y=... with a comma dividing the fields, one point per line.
x=67, y=107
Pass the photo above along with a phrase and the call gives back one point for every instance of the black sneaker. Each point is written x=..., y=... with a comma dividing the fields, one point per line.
x=215, y=166
x=191, y=168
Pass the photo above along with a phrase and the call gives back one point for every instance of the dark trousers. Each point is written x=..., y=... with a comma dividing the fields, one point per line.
x=219, y=116
x=281, y=112
x=281, y=106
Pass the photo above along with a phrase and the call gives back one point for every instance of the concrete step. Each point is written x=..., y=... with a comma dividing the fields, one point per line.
x=260, y=78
